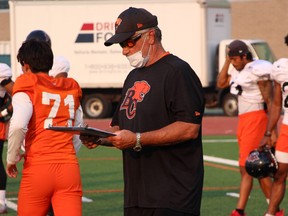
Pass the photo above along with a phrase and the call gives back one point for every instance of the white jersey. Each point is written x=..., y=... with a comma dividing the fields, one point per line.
x=280, y=75
x=244, y=84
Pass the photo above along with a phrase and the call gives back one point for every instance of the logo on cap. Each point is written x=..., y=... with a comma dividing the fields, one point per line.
x=117, y=23
x=237, y=48
x=139, y=25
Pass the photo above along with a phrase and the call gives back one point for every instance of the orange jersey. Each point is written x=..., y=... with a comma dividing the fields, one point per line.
x=3, y=131
x=54, y=102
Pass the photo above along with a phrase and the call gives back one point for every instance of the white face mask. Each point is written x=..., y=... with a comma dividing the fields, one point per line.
x=137, y=60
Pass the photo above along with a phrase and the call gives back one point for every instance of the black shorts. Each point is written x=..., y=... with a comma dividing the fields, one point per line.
x=135, y=211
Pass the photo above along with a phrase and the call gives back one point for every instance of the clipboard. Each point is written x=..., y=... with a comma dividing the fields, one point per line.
x=82, y=130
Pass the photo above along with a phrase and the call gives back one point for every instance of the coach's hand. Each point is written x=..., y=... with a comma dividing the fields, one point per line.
x=89, y=141
x=124, y=139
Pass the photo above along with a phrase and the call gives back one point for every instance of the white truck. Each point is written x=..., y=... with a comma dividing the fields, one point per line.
x=194, y=30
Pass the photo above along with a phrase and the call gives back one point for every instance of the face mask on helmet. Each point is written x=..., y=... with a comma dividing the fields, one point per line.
x=261, y=164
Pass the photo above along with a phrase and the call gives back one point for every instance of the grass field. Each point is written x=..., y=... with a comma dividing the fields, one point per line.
x=101, y=171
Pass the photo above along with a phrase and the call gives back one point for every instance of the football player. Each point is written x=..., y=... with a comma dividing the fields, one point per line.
x=6, y=85
x=280, y=98
x=249, y=80
x=40, y=100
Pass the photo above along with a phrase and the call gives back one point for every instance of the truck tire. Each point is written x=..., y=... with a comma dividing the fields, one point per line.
x=230, y=105
x=96, y=106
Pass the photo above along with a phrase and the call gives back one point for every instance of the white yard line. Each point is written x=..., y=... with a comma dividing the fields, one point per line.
x=10, y=204
x=221, y=160
x=85, y=199
x=217, y=140
x=232, y=194
x=226, y=162
x=13, y=205
x=218, y=159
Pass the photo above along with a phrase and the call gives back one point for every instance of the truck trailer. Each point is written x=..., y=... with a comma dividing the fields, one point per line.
x=195, y=30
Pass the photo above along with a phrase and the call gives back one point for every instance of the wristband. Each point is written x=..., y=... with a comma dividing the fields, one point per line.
x=4, y=113
x=267, y=134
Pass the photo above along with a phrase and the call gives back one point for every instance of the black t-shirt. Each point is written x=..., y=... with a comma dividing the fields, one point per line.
x=154, y=97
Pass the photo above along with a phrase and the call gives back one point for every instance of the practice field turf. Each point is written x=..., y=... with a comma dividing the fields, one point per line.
x=101, y=171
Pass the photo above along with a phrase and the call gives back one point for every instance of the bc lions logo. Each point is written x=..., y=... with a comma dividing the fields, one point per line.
x=117, y=23
x=254, y=156
x=134, y=95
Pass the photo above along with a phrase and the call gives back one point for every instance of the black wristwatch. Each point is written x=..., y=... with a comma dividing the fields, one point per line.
x=138, y=145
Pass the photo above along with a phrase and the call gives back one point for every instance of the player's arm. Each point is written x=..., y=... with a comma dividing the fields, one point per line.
x=17, y=130
x=266, y=89
x=223, y=79
x=276, y=107
x=78, y=121
x=274, y=115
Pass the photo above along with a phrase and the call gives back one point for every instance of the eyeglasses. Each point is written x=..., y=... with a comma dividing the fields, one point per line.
x=130, y=42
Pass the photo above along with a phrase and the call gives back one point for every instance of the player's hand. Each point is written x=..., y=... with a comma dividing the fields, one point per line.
x=11, y=170
x=89, y=141
x=227, y=59
x=264, y=143
x=269, y=141
x=274, y=137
